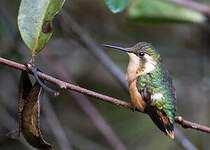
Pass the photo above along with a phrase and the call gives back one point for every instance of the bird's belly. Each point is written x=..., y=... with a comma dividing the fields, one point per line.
x=136, y=97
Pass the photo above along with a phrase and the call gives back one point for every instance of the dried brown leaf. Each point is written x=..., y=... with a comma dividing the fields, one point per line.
x=29, y=112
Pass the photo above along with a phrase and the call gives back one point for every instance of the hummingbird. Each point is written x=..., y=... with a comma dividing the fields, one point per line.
x=150, y=85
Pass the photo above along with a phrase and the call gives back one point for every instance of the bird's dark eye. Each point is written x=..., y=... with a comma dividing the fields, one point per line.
x=141, y=54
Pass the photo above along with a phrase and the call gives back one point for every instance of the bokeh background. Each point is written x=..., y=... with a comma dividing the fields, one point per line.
x=73, y=121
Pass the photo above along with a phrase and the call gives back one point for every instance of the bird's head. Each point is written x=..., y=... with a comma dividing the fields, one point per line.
x=142, y=57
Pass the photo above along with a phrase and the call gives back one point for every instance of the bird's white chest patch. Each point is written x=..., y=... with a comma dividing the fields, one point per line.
x=157, y=96
x=149, y=65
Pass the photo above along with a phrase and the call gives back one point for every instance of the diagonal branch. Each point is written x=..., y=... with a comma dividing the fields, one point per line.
x=69, y=86
x=188, y=124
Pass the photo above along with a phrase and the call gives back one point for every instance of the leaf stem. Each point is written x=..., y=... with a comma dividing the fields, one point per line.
x=30, y=66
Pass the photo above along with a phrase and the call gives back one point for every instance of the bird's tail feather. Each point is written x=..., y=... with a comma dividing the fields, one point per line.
x=162, y=121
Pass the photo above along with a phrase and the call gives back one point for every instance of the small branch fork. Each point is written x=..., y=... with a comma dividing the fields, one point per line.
x=68, y=86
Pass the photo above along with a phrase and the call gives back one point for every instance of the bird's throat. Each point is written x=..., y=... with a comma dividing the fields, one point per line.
x=133, y=69
x=137, y=67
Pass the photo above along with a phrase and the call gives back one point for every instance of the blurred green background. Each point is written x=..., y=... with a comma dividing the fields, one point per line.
x=184, y=47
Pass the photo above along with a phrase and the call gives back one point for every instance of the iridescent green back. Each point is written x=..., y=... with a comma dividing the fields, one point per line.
x=159, y=81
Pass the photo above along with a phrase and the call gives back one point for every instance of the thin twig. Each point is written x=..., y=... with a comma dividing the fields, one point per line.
x=69, y=86
x=188, y=124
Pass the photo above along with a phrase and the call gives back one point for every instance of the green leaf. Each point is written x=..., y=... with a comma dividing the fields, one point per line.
x=116, y=6
x=159, y=11
x=35, y=22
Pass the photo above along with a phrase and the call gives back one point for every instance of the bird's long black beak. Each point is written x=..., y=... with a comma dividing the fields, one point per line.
x=117, y=47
